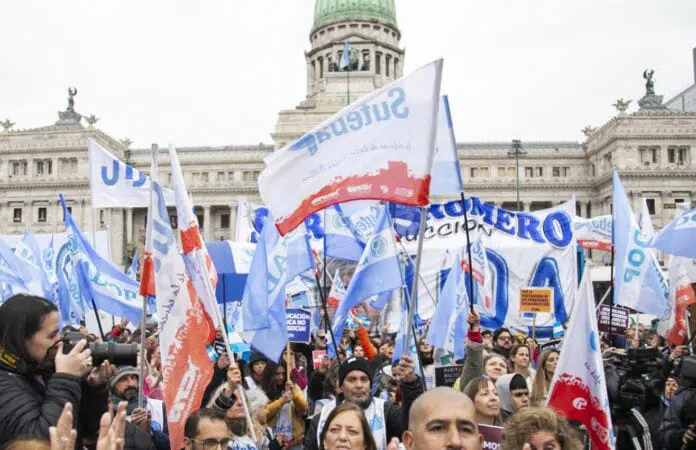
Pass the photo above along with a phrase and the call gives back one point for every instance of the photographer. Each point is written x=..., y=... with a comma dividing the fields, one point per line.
x=679, y=424
x=37, y=378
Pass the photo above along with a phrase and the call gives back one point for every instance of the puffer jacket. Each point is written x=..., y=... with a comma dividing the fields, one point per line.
x=30, y=407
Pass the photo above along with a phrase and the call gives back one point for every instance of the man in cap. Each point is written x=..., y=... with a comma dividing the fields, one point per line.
x=152, y=419
x=387, y=419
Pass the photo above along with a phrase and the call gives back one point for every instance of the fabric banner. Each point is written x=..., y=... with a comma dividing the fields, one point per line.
x=523, y=249
x=115, y=184
x=593, y=233
x=379, y=147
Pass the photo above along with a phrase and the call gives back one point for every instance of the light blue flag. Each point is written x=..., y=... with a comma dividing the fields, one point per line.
x=448, y=325
x=446, y=177
x=640, y=283
x=276, y=261
x=28, y=250
x=377, y=271
x=340, y=241
x=271, y=341
x=103, y=282
x=345, y=58
x=401, y=338
x=70, y=304
x=134, y=268
x=678, y=237
x=13, y=271
x=381, y=300
x=49, y=267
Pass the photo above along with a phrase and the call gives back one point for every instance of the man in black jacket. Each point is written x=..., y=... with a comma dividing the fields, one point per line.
x=387, y=419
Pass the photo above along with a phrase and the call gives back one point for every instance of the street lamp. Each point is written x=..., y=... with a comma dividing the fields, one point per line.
x=516, y=151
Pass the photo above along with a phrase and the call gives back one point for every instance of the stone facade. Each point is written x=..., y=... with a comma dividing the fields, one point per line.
x=653, y=149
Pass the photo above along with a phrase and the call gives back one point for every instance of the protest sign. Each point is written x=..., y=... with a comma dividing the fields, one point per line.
x=317, y=357
x=447, y=375
x=619, y=319
x=536, y=300
x=298, y=322
x=492, y=436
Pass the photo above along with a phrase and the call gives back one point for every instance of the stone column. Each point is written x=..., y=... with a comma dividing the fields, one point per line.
x=207, y=226
x=129, y=225
x=233, y=220
x=588, y=208
x=525, y=206
x=57, y=217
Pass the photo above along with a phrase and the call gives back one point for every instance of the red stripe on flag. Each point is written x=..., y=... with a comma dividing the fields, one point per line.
x=191, y=239
x=147, y=276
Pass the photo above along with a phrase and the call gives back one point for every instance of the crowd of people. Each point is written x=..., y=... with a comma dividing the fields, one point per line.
x=56, y=399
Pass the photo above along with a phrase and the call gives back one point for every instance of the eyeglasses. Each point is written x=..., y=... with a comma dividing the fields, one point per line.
x=212, y=444
x=505, y=338
x=321, y=338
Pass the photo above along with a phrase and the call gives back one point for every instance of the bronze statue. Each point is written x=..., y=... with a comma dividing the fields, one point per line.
x=7, y=125
x=649, y=83
x=72, y=92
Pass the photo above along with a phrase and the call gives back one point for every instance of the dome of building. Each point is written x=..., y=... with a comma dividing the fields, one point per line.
x=331, y=11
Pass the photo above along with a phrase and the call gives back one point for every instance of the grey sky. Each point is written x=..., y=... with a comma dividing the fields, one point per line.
x=214, y=72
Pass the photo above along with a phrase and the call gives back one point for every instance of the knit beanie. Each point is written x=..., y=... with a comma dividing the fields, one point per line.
x=352, y=364
x=122, y=372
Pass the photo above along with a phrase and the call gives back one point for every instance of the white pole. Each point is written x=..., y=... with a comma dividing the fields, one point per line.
x=414, y=293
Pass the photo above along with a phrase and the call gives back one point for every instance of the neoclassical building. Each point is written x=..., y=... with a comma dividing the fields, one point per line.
x=653, y=147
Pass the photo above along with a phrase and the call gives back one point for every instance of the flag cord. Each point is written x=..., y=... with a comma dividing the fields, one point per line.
x=414, y=291
x=468, y=250
x=223, y=327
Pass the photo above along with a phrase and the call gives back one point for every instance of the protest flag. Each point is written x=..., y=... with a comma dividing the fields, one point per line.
x=640, y=283
x=678, y=236
x=578, y=389
x=379, y=147
x=674, y=327
x=448, y=326
x=13, y=271
x=378, y=270
x=446, y=173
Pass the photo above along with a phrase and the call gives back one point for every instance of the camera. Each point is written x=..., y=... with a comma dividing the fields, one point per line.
x=117, y=354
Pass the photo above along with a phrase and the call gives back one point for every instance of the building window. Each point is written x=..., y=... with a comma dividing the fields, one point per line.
x=539, y=171
x=196, y=177
x=204, y=177
x=378, y=63
x=677, y=155
x=320, y=60
x=199, y=217
x=502, y=171
x=529, y=172
x=607, y=160
x=174, y=221
x=484, y=172
x=248, y=176
x=473, y=172
x=221, y=176
x=594, y=170
x=42, y=215
x=17, y=215
x=651, y=205
x=387, y=61
x=19, y=168
x=649, y=155
x=396, y=67
x=556, y=172
x=560, y=172
x=224, y=220
x=230, y=176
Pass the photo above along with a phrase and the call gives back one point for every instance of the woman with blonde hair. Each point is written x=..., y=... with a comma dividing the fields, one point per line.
x=540, y=428
x=544, y=375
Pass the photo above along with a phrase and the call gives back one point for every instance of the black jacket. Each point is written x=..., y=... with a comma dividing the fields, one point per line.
x=136, y=439
x=29, y=407
x=679, y=415
x=396, y=416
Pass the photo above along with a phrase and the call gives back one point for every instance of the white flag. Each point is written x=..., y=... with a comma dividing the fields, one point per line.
x=380, y=147
x=115, y=184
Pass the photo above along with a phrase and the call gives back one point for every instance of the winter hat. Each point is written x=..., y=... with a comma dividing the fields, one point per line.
x=352, y=364
x=256, y=357
x=121, y=372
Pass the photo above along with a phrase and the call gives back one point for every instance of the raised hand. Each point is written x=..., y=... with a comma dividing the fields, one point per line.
x=63, y=435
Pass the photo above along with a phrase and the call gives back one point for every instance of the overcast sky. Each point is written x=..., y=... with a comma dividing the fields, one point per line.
x=213, y=72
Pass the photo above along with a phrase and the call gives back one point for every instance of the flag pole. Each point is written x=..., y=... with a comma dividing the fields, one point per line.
x=96, y=314
x=468, y=249
x=211, y=295
x=611, y=278
x=94, y=243
x=322, y=289
x=414, y=292
x=322, y=298
x=418, y=352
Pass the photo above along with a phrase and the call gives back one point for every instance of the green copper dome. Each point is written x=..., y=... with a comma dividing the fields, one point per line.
x=332, y=11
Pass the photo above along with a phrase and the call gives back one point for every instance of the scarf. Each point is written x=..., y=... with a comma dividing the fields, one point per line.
x=132, y=403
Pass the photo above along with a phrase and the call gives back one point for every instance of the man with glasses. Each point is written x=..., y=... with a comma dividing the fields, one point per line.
x=502, y=342
x=320, y=341
x=206, y=429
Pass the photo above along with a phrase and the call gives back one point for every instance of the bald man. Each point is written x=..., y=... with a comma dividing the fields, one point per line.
x=442, y=418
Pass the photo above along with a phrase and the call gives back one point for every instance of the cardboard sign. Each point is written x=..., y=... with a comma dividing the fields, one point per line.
x=492, y=436
x=447, y=375
x=317, y=357
x=619, y=319
x=298, y=322
x=219, y=347
x=536, y=300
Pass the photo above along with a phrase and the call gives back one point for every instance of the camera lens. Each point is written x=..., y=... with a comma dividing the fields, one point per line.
x=117, y=354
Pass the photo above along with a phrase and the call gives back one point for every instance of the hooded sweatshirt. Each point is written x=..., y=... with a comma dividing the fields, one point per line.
x=502, y=385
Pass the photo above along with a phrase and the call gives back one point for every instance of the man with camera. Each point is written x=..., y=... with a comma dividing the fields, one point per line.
x=679, y=423
x=37, y=377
